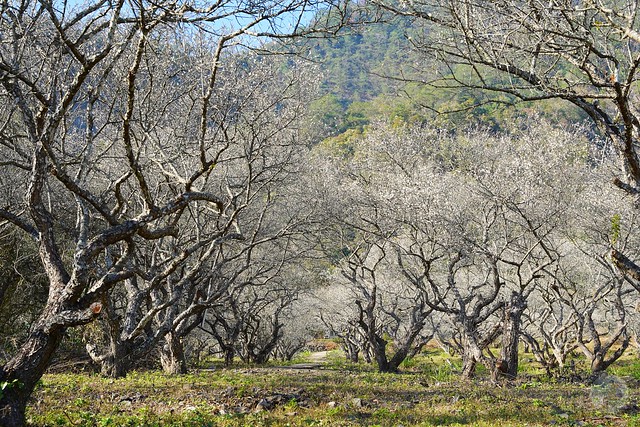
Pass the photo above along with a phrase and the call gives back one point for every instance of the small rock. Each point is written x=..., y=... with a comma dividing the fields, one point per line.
x=190, y=408
x=556, y=410
x=263, y=405
x=278, y=399
x=630, y=408
x=291, y=414
x=563, y=415
x=332, y=404
x=357, y=402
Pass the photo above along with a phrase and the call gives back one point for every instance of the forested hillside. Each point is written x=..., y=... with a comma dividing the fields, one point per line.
x=376, y=71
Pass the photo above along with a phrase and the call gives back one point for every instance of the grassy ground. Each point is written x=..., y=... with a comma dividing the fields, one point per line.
x=426, y=393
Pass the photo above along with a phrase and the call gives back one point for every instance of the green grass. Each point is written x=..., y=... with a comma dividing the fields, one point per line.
x=427, y=393
x=627, y=367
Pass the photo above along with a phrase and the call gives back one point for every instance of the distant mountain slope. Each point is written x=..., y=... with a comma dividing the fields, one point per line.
x=354, y=90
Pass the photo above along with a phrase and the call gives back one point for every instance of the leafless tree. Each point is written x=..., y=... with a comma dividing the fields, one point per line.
x=599, y=315
x=23, y=290
x=584, y=302
x=596, y=315
x=584, y=53
x=260, y=160
x=249, y=321
x=251, y=292
x=387, y=306
x=475, y=222
x=337, y=315
x=109, y=121
x=549, y=331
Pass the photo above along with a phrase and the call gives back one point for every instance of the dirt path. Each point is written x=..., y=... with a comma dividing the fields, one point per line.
x=318, y=357
x=316, y=361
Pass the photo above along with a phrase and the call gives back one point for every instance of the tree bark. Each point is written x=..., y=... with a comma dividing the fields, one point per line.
x=26, y=368
x=114, y=363
x=172, y=357
x=229, y=354
x=114, y=360
x=398, y=357
x=472, y=353
x=406, y=346
x=468, y=365
x=511, y=336
x=379, y=346
x=350, y=344
x=598, y=364
x=351, y=352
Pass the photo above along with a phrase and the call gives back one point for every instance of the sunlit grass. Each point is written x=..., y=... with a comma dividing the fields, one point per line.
x=427, y=392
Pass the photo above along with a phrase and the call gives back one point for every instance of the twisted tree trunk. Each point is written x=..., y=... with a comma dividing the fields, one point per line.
x=25, y=369
x=172, y=357
x=511, y=335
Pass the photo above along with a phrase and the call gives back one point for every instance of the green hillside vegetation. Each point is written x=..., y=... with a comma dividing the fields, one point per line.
x=374, y=71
